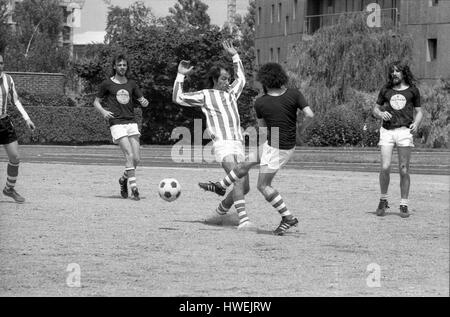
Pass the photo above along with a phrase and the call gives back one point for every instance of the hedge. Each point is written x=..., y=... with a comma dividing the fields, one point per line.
x=64, y=125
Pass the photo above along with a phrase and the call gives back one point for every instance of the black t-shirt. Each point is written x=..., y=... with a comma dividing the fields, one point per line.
x=119, y=100
x=281, y=112
x=400, y=104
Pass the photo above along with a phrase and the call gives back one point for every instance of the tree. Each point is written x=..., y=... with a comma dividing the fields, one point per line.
x=190, y=15
x=4, y=27
x=36, y=45
x=121, y=21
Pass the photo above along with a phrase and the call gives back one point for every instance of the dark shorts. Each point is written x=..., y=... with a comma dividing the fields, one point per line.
x=7, y=132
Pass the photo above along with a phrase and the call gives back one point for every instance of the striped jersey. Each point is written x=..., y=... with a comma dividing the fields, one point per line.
x=220, y=107
x=7, y=88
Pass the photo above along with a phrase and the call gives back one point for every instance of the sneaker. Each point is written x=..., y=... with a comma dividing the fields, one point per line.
x=404, y=213
x=13, y=194
x=247, y=226
x=135, y=194
x=213, y=187
x=285, y=225
x=382, y=206
x=123, y=187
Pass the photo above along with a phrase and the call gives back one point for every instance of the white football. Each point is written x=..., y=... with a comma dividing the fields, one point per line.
x=169, y=189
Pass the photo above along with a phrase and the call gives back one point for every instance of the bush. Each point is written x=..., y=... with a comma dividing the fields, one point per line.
x=64, y=125
x=45, y=100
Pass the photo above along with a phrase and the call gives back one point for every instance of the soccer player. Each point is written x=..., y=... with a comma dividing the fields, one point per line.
x=219, y=104
x=396, y=104
x=276, y=111
x=118, y=93
x=8, y=136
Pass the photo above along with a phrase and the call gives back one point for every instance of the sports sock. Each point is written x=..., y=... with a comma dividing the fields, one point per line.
x=240, y=208
x=12, y=172
x=229, y=180
x=221, y=210
x=384, y=196
x=277, y=202
x=131, y=174
x=124, y=177
x=404, y=202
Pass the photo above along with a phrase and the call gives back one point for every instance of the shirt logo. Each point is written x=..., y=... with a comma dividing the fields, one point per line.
x=398, y=102
x=123, y=97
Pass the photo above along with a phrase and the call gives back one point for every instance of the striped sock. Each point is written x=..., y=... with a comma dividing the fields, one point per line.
x=221, y=210
x=404, y=202
x=131, y=174
x=229, y=180
x=240, y=208
x=277, y=202
x=12, y=172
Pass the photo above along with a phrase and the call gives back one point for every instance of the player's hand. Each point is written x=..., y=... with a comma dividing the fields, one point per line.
x=228, y=46
x=144, y=102
x=185, y=67
x=30, y=125
x=386, y=116
x=107, y=114
x=414, y=127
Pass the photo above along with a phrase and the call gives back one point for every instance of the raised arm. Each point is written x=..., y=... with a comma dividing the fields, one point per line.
x=239, y=82
x=191, y=99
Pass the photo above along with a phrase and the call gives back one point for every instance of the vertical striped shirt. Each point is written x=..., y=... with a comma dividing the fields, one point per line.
x=7, y=88
x=220, y=107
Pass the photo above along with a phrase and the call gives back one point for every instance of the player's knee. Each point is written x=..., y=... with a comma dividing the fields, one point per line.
x=264, y=189
x=136, y=160
x=14, y=158
x=385, y=168
x=404, y=169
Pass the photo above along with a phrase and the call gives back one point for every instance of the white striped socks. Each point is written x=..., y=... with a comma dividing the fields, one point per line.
x=12, y=172
x=229, y=180
x=277, y=202
x=240, y=208
x=221, y=210
x=131, y=175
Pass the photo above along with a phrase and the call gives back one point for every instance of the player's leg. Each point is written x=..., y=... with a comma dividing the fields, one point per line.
x=12, y=171
x=384, y=177
x=404, y=157
x=125, y=146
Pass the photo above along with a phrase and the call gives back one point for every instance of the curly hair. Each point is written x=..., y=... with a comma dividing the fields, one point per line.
x=116, y=59
x=408, y=76
x=214, y=74
x=272, y=75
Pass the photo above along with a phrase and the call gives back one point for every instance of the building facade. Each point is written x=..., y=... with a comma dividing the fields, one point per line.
x=282, y=23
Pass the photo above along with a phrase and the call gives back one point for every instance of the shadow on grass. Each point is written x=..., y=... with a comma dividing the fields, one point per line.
x=386, y=214
x=116, y=197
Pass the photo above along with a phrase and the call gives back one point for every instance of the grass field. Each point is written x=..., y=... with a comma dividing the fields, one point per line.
x=74, y=214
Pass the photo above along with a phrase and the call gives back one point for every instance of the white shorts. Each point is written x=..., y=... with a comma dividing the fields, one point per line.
x=400, y=136
x=275, y=158
x=120, y=130
x=224, y=148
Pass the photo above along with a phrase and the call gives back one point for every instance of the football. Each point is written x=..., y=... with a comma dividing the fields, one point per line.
x=169, y=189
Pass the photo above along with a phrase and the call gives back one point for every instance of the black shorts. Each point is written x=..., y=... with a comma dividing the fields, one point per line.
x=7, y=132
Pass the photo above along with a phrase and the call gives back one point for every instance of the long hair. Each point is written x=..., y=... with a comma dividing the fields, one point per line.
x=408, y=76
x=272, y=75
x=214, y=74
x=118, y=58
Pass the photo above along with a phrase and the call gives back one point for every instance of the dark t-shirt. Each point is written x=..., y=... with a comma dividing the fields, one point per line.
x=119, y=100
x=400, y=104
x=281, y=112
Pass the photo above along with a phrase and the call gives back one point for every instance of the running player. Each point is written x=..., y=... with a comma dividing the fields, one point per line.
x=396, y=104
x=118, y=93
x=8, y=136
x=276, y=111
x=219, y=104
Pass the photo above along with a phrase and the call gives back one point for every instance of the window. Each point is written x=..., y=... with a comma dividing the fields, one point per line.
x=258, y=16
x=433, y=3
x=431, y=50
x=272, y=13
x=278, y=54
x=279, y=12
x=286, y=26
x=294, y=11
x=271, y=55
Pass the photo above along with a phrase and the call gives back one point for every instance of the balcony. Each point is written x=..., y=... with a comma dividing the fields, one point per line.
x=386, y=18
